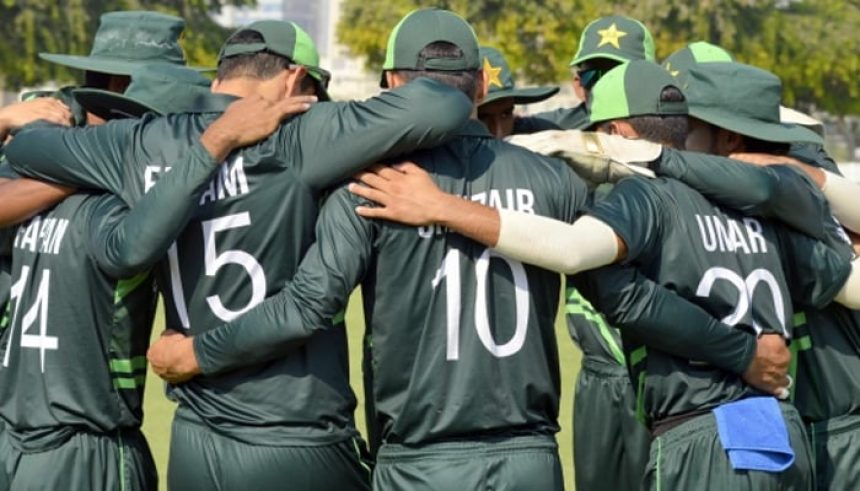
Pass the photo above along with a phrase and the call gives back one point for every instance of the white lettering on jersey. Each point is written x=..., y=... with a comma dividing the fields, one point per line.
x=230, y=181
x=508, y=199
x=727, y=235
x=150, y=175
x=42, y=235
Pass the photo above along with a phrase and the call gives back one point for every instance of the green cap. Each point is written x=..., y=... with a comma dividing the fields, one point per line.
x=680, y=62
x=633, y=89
x=157, y=88
x=500, y=81
x=285, y=39
x=615, y=37
x=743, y=99
x=127, y=40
x=426, y=26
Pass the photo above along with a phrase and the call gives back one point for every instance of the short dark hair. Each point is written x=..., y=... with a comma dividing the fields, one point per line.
x=261, y=65
x=669, y=129
x=466, y=80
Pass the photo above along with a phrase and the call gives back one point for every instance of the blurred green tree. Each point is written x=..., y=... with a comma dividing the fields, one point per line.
x=28, y=27
x=811, y=44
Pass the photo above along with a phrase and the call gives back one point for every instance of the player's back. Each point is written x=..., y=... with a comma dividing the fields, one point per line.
x=738, y=268
x=73, y=351
x=252, y=225
x=463, y=337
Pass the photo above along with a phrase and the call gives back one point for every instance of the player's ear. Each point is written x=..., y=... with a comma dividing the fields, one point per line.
x=482, y=83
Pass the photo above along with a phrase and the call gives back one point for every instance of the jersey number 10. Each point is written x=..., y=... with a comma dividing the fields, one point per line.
x=450, y=270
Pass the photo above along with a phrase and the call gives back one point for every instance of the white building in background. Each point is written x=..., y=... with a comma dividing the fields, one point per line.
x=319, y=18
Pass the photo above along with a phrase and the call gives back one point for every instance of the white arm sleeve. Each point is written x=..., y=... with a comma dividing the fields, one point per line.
x=849, y=295
x=551, y=244
x=843, y=195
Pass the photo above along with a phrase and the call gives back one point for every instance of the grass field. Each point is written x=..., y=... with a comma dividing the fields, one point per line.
x=159, y=411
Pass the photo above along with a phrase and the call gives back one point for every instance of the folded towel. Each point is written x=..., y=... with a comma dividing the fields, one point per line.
x=754, y=434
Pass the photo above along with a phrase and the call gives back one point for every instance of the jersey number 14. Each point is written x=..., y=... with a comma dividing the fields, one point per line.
x=38, y=310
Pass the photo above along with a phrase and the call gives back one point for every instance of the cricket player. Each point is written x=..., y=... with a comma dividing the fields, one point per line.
x=827, y=355
x=289, y=418
x=82, y=303
x=605, y=42
x=466, y=381
x=617, y=445
x=496, y=110
x=670, y=225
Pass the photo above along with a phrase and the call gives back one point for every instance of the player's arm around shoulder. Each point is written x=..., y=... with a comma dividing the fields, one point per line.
x=90, y=157
x=319, y=290
x=336, y=139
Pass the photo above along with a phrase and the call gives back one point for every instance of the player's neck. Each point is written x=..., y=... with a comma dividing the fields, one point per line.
x=239, y=87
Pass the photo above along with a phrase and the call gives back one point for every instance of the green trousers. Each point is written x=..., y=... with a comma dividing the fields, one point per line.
x=610, y=445
x=836, y=449
x=202, y=459
x=525, y=463
x=691, y=457
x=86, y=461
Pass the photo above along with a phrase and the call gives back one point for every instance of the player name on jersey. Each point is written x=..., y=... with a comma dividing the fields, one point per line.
x=229, y=182
x=728, y=235
x=518, y=199
x=42, y=235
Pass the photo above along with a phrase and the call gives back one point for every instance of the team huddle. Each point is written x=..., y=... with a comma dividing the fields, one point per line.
x=704, y=237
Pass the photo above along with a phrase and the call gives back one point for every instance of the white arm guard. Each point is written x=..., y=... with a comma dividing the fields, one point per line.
x=849, y=295
x=551, y=244
x=843, y=196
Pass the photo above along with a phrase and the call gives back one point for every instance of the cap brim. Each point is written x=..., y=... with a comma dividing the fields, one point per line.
x=104, y=65
x=771, y=132
x=110, y=105
x=113, y=67
x=609, y=56
x=522, y=96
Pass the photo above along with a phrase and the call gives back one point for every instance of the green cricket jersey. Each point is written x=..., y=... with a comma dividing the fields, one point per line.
x=575, y=118
x=827, y=341
x=73, y=345
x=249, y=231
x=462, y=339
x=735, y=267
x=780, y=192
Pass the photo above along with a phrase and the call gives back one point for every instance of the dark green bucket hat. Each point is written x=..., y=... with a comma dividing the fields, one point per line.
x=426, y=26
x=126, y=40
x=633, y=89
x=158, y=88
x=615, y=37
x=680, y=62
x=285, y=39
x=743, y=99
x=500, y=81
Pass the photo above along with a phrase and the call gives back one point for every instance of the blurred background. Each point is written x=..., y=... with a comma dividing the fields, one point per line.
x=813, y=45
